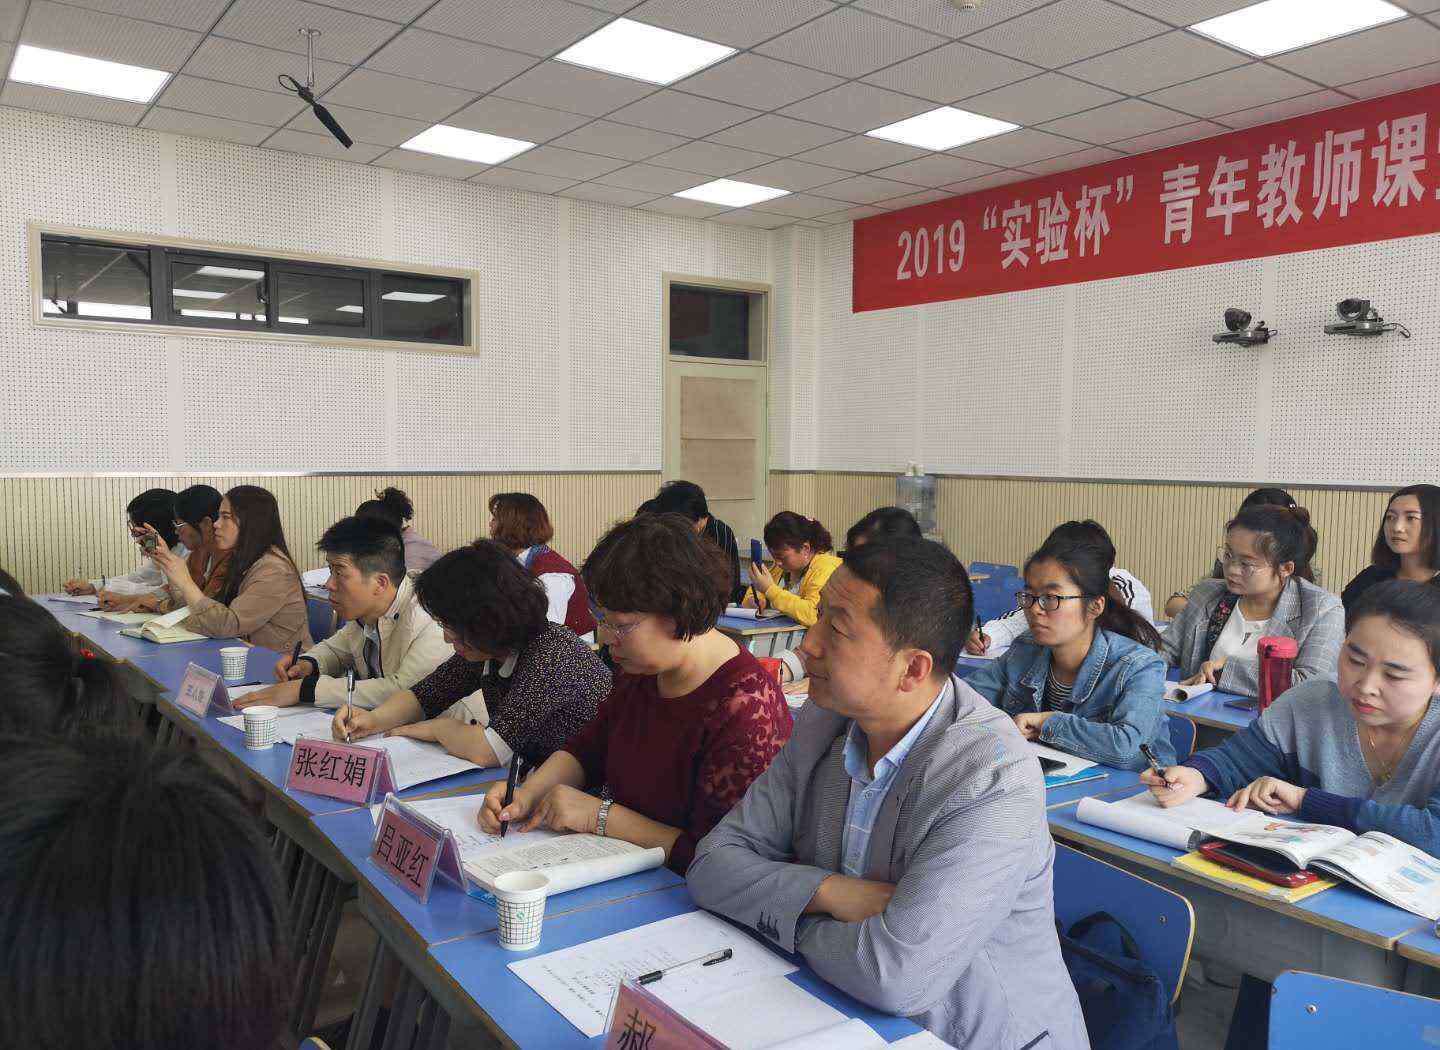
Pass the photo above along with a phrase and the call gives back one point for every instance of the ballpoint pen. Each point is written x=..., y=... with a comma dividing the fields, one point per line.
x=349, y=701
x=709, y=959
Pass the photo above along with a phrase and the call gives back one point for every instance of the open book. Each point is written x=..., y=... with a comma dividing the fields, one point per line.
x=1181, y=827
x=1177, y=693
x=129, y=619
x=1061, y=768
x=165, y=629
x=746, y=613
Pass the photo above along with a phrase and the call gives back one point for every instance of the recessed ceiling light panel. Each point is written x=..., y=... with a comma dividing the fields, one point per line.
x=1274, y=26
x=462, y=144
x=644, y=52
x=943, y=128
x=731, y=194
x=88, y=76
x=413, y=297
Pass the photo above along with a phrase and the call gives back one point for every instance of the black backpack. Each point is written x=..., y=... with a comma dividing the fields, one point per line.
x=1126, y=1005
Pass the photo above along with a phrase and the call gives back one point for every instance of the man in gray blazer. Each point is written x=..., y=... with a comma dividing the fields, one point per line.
x=898, y=842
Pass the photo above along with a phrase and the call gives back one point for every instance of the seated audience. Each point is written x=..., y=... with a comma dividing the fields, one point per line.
x=688, y=499
x=801, y=547
x=154, y=509
x=538, y=683
x=139, y=904
x=938, y=907
x=520, y=523
x=52, y=685
x=262, y=601
x=1264, y=593
x=388, y=641
x=691, y=719
x=1361, y=753
x=197, y=508
x=1408, y=545
x=1086, y=678
x=394, y=506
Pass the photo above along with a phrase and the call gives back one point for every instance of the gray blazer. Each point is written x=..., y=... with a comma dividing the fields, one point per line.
x=967, y=945
x=1311, y=615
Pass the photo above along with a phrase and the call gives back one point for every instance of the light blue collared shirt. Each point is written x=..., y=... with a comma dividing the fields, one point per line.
x=867, y=792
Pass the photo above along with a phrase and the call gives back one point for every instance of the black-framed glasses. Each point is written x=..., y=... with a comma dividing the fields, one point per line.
x=1047, y=602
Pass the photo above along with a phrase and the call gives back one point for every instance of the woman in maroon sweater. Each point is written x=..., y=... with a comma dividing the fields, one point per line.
x=691, y=718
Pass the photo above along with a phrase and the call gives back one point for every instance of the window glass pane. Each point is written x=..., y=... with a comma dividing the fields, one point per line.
x=709, y=322
x=319, y=299
x=218, y=290
x=421, y=309
x=95, y=280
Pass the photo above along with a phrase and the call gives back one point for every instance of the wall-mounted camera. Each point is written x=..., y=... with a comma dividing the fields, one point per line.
x=1238, y=331
x=1360, y=318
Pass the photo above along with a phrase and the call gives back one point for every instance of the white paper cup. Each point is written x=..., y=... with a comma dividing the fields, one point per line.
x=520, y=900
x=262, y=726
x=232, y=661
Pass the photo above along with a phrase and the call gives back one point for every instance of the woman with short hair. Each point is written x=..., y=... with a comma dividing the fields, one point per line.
x=520, y=523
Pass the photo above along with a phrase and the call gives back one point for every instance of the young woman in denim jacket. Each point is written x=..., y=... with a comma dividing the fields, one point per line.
x=1086, y=678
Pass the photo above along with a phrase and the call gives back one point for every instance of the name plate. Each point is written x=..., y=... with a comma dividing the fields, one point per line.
x=640, y=1021
x=203, y=692
x=348, y=772
x=413, y=850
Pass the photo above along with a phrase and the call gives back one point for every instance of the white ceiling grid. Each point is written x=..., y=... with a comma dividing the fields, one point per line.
x=1089, y=79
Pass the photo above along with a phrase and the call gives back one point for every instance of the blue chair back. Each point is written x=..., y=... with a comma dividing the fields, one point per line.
x=1161, y=922
x=322, y=618
x=314, y=1042
x=993, y=569
x=1310, y=1012
x=1182, y=735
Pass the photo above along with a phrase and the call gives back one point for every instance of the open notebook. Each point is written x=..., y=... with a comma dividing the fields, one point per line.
x=165, y=630
x=1060, y=768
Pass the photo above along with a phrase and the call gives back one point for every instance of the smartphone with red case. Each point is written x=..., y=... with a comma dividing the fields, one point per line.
x=1259, y=863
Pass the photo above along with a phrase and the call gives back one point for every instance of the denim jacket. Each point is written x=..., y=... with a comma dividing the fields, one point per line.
x=1118, y=699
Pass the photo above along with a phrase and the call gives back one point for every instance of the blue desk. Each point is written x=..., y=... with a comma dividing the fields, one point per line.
x=763, y=637
x=479, y=966
x=1421, y=951
x=1115, y=782
x=1210, y=710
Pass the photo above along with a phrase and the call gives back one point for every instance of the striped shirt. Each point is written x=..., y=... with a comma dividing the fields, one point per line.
x=1057, y=694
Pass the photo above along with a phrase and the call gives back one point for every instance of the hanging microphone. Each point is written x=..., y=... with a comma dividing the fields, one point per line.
x=306, y=92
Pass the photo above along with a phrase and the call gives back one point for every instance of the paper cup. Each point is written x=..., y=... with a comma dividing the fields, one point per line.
x=232, y=661
x=520, y=900
x=262, y=727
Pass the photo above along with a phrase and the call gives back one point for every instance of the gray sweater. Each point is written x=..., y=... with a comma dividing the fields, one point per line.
x=1309, y=738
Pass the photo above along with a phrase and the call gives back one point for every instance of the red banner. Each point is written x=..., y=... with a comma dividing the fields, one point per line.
x=1364, y=172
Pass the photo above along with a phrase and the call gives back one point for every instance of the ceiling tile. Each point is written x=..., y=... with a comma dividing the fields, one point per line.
x=1082, y=159
x=986, y=182
x=1045, y=97
x=615, y=7
x=428, y=164
x=449, y=60
x=1200, y=129
x=850, y=43
x=1067, y=31
x=322, y=146
x=857, y=107
x=401, y=96
x=1246, y=86
x=98, y=35
x=1157, y=63
x=560, y=85
x=953, y=71
x=568, y=163
x=12, y=13
x=778, y=135
x=200, y=126
x=619, y=140
x=1420, y=7
x=1291, y=107
x=594, y=191
x=848, y=214
x=947, y=20
x=649, y=177
x=230, y=100
x=1390, y=83
x=800, y=206
x=1018, y=148
x=182, y=14
x=1188, y=12
x=362, y=125
x=865, y=189
x=395, y=10
x=681, y=206
x=523, y=180
x=70, y=103
x=1119, y=120
x=739, y=23
x=537, y=27
x=862, y=153
x=794, y=175
x=250, y=65
x=516, y=120
x=711, y=158
x=912, y=199
x=934, y=171
x=5, y=50
x=1384, y=49
x=682, y=114
x=752, y=217
x=756, y=81
x=344, y=35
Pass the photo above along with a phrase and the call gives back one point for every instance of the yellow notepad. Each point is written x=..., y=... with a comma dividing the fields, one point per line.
x=1196, y=864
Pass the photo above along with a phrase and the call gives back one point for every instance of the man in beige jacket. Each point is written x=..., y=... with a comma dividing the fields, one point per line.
x=389, y=641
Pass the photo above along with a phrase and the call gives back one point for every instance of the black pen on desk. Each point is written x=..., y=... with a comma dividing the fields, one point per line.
x=510, y=789
x=349, y=698
x=1155, y=766
x=704, y=960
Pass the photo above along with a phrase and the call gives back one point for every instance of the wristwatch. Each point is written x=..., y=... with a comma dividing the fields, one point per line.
x=602, y=816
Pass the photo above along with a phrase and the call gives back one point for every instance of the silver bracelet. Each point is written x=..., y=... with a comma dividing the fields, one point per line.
x=602, y=816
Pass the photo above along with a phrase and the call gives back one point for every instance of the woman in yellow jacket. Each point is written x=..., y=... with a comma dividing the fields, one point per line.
x=802, y=548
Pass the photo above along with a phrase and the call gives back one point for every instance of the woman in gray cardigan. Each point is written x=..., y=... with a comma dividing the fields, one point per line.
x=1214, y=638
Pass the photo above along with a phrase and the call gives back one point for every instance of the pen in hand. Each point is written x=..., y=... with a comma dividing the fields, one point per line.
x=510, y=790
x=1155, y=766
x=349, y=700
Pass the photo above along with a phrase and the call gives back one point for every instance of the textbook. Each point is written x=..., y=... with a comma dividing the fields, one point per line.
x=746, y=613
x=1197, y=864
x=1069, y=770
x=1181, y=827
x=130, y=619
x=165, y=630
x=1178, y=694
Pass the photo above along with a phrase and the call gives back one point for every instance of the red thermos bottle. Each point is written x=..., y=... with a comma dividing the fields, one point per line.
x=1277, y=666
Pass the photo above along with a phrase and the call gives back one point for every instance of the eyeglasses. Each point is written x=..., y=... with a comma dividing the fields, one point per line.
x=1245, y=568
x=1047, y=602
x=617, y=630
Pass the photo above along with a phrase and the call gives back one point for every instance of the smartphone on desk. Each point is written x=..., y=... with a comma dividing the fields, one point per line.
x=1243, y=705
x=1050, y=765
x=1260, y=863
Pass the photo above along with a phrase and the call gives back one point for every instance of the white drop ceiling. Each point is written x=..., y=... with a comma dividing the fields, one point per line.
x=1088, y=80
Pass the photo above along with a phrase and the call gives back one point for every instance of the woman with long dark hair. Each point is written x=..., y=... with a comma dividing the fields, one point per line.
x=1407, y=547
x=803, y=550
x=393, y=506
x=262, y=601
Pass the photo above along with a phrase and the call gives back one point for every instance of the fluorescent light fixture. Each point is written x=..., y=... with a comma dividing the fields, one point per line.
x=1282, y=25
x=462, y=144
x=141, y=313
x=294, y=320
x=196, y=293
x=643, y=52
x=413, y=297
x=943, y=128
x=224, y=315
x=732, y=194
x=89, y=76
x=230, y=271
x=349, y=309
